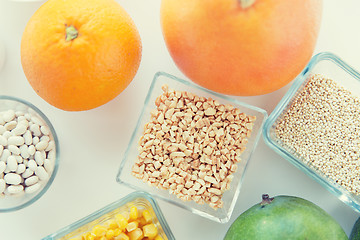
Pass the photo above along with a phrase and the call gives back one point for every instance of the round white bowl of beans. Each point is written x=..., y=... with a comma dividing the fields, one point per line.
x=29, y=153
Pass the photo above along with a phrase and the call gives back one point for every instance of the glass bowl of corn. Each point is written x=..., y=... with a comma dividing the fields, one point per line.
x=136, y=216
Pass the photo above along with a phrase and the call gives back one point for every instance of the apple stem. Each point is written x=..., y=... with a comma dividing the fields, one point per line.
x=246, y=3
x=71, y=33
x=266, y=200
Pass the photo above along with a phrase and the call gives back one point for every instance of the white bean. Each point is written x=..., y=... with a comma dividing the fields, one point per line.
x=19, y=114
x=28, y=137
x=2, y=185
x=7, y=170
x=31, y=150
x=10, y=125
x=37, y=121
x=3, y=140
x=6, y=153
x=35, y=129
x=19, y=159
x=21, y=118
x=2, y=129
x=42, y=145
x=31, y=180
x=14, y=189
x=14, y=149
x=45, y=130
x=32, y=188
x=1, y=149
x=51, y=155
x=12, y=178
x=32, y=165
x=7, y=134
x=48, y=165
x=45, y=138
x=20, y=129
x=2, y=166
x=21, y=168
x=9, y=115
x=16, y=140
x=23, y=122
x=28, y=116
x=24, y=152
x=35, y=140
x=12, y=164
x=2, y=122
x=39, y=158
x=41, y=173
x=51, y=146
x=28, y=172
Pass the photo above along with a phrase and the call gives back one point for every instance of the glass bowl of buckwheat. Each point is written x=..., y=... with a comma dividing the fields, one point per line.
x=191, y=147
x=316, y=126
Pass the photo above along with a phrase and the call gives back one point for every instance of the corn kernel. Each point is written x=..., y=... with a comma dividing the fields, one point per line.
x=99, y=230
x=141, y=221
x=136, y=234
x=122, y=236
x=126, y=215
x=133, y=213
x=103, y=238
x=158, y=237
x=90, y=237
x=121, y=221
x=87, y=236
x=117, y=231
x=147, y=216
x=132, y=226
x=76, y=238
x=111, y=224
x=110, y=233
x=150, y=230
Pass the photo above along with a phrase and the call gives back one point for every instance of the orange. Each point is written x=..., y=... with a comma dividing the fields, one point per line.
x=241, y=47
x=80, y=54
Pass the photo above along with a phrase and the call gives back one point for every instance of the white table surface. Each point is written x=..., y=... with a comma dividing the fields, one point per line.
x=93, y=142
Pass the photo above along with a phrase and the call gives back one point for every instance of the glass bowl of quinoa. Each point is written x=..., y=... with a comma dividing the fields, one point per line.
x=316, y=126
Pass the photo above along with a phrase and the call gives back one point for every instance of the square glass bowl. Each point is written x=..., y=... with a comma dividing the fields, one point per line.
x=230, y=196
x=330, y=66
x=141, y=200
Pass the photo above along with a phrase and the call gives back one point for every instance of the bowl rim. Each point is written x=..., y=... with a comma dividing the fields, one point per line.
x=57, y=154
x=111, y=207
x=336, y=189
x=219, y=95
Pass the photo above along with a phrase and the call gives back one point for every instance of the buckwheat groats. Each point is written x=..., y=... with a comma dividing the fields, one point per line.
x=323, y=126
x=191, y=145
